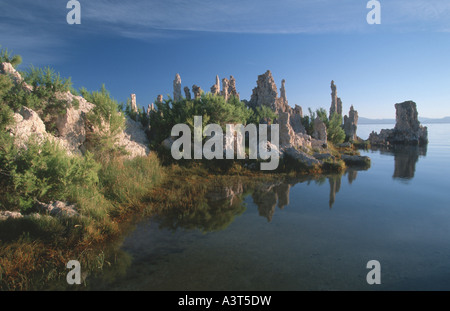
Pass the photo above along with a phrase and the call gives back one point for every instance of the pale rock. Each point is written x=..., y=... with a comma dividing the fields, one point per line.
x=232, y=88
x=5, y=215
x=187, y=93
x=134, y=107
x=177, y=88
x=59, y=209
x=133, y=139
x=197, y=91
x=320, y=130
x=351, y=124
x=225, y=87
x=215, y=89
x=8, y=69
x=407, y=129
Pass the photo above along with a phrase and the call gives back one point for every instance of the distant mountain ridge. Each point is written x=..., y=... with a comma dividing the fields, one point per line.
x=363, y=120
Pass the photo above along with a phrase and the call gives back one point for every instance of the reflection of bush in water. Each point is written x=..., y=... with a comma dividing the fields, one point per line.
x=205, y=216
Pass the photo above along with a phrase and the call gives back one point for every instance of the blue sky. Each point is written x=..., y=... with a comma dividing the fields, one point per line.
x=139, y=46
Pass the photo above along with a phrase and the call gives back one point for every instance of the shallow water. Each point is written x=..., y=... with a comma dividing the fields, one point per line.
x=307, y=235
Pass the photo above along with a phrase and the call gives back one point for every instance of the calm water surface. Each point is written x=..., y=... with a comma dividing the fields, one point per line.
x=307, y=235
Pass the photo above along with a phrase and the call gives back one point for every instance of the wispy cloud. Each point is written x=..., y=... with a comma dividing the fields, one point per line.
x=41, y=23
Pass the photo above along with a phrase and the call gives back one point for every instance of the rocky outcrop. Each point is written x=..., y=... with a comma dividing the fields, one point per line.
x=301, y=157
x=265, y=93
x=59, y=209
x=8, y=69
x=320, y=130
x=289, y=137
x=351, y=124
x=72, y=125
x=225, y=87
x=160, y=98
x=232, y=88
x=336, y=102
x=177, y=88
x=407, y=131
x=215, y=89
x=27, y=124
x=197, y=91
x=5, y=215
x=133, y=139
x=187, y=93
x=134, y=106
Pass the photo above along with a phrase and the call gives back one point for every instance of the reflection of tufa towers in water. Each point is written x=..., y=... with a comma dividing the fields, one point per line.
x=268, y=196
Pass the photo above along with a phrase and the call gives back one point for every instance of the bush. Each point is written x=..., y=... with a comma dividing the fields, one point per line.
x=261, y=114
x=106, y=114
x=42, y=172
x=335, y=132
x=213, y=108
x=7, y=57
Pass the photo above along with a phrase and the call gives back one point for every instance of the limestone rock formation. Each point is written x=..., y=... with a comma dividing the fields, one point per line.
x=215, y=89
x=336, y=102
x=134, y=107
x=289, y=137
x=296, y=120
x=197, y=91
x=58, y=209
x=8, y=69
x=351, y=124
x=177, y=88
x=160, y=98
x=72, y=125
x=27, y=124
x=232, y=88
x=283, y=90
x=320, y=130
x=225, y=87
x=133, y=139
x=5, y=215
x=298, y=110
x=266, y=94
x=187, y=93
x=301, y=156
x=334, y=99
x=339, y=106
x=407, y=131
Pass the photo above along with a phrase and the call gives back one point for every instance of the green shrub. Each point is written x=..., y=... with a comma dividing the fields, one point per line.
x=42, y=172
x=106, y=114
x=335, y=132
x=261, y=114
x=7, y=57
x=213, y=108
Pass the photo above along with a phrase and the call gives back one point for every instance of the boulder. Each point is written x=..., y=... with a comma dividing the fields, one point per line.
x=407, y=130
x=59, y=209
x=301, y=156
x=133, y=139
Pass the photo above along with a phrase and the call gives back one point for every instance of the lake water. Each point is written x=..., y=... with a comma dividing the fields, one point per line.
x=307, y=235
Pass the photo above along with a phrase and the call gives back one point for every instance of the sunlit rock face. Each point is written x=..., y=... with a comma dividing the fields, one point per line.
x=351, y=124
x=407, y=131
x=177, y=88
